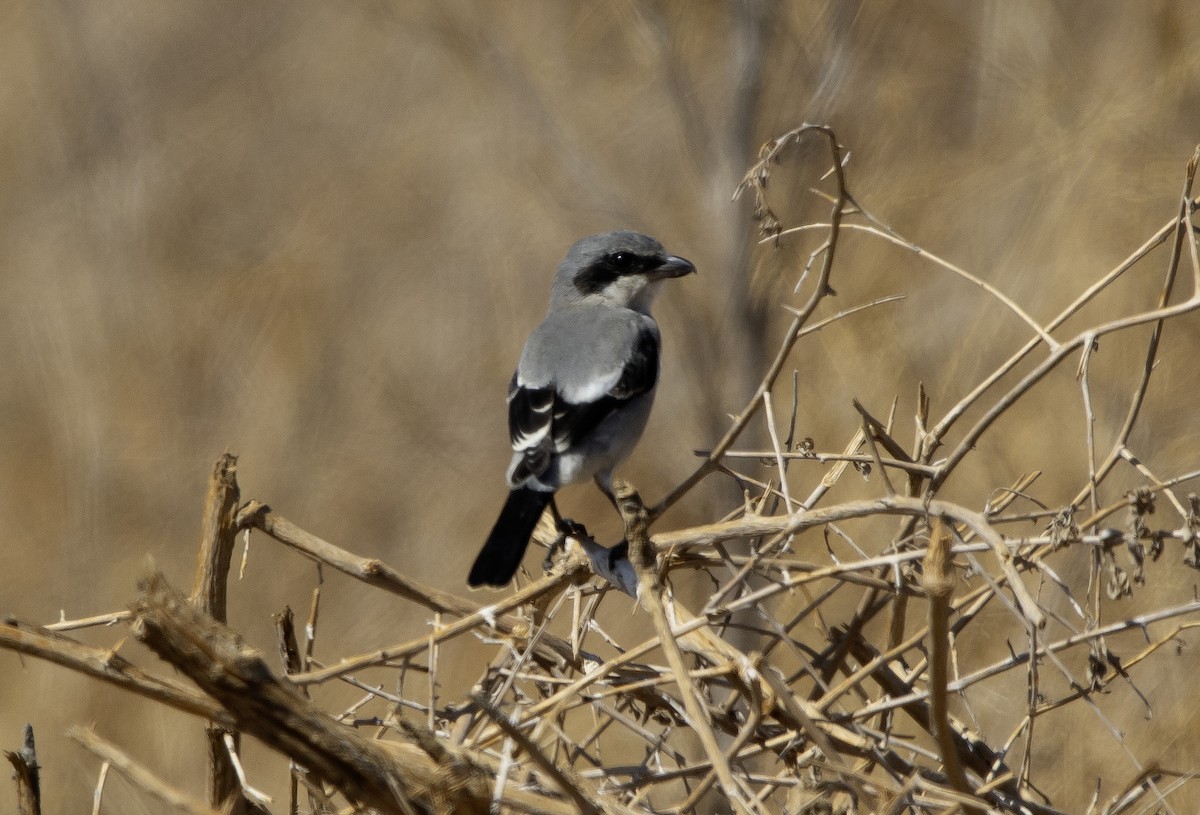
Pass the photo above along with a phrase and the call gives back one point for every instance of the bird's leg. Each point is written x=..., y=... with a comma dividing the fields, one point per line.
x=567, y=528
x=604, y=482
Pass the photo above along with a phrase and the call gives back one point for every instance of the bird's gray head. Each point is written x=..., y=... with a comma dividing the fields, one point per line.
x=616, y=268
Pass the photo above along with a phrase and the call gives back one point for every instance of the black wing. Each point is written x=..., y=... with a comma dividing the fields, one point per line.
x=541, y=422
x=530, y=422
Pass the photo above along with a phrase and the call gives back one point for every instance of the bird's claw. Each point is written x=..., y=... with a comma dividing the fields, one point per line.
x=567, y=528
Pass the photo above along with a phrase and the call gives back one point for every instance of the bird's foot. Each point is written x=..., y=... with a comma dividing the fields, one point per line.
x=567, y=528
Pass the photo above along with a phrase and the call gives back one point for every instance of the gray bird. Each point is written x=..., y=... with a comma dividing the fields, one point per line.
x=582, y=391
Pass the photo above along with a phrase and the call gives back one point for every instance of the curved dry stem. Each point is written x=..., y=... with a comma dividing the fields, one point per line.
x=888, y=234
x=756, y=179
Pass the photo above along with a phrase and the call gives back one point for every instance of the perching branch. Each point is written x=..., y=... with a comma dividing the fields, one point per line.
x=826, y=668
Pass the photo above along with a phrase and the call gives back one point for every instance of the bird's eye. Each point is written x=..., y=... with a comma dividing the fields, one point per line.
x=621, y=260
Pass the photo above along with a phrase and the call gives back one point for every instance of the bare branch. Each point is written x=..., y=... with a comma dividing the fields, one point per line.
x=218, y=534
x=107, y=666
x=138, y=774
x=27, y=774
x=756, y=180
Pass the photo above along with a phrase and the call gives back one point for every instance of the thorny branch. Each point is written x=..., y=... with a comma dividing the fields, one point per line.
x=856, y=695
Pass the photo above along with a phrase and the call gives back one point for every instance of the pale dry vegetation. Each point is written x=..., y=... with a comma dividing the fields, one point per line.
x=319, y=237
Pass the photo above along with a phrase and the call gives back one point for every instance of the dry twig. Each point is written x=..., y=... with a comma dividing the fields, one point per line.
x=842, y=699
x=27, y=774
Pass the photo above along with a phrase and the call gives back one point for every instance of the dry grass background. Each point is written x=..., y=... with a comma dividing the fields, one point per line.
x=318, y=235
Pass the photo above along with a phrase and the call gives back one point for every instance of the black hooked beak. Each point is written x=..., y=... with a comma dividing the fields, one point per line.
x=673, y=266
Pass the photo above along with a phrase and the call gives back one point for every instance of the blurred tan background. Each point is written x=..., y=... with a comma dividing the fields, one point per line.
x=317, y=235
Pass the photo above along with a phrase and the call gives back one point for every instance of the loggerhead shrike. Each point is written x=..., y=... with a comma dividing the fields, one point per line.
x=582, y=391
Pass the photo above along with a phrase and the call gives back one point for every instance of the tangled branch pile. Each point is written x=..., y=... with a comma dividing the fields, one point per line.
x=748, y=698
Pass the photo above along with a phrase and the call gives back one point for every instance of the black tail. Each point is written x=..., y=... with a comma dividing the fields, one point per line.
x=501, y=555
